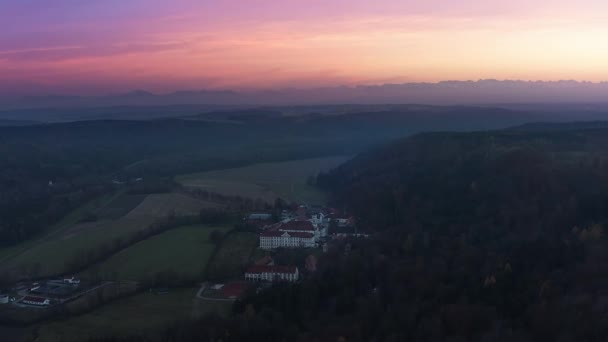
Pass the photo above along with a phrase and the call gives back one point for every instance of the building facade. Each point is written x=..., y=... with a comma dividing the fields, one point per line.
x=282, y=239
x=272, y=273
x=36, y=301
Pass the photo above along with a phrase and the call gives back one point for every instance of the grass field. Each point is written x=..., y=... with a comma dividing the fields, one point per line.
x=267, y=181
x=49, y=255
x=145, y=313
x=59, y=228
x=120, y=206
x=184, y=250
x=234, y=253
x=160, y=205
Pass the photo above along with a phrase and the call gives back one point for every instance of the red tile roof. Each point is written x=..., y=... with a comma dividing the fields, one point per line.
x=264, y=261
x=274, y=226
x=275, y=233
x=311, y=263
x=271, y=269
x=234, y=290
x=34, y=299
x=297, y=225
x=259, y=223
x=302, y=235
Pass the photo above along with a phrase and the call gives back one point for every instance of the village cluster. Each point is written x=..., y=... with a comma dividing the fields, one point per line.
x=302, y=227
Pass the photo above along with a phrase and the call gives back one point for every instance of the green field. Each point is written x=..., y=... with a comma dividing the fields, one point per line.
x=234, y=254
x=58, y=228
x=160, y=205
x=146, y=313
x=267, y=181
x=120, y=206
x=184, y=250
x=50, y=255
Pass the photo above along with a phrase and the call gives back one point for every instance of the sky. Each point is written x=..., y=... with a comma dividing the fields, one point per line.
x=109, y=46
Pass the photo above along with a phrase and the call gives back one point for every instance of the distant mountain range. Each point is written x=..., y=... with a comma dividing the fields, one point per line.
x=448, y=92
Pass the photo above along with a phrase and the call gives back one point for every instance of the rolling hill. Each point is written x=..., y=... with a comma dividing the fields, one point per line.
x=522, y=178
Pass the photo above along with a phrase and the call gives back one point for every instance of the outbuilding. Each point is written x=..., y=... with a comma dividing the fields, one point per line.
x=272, y=273
x=38, y=301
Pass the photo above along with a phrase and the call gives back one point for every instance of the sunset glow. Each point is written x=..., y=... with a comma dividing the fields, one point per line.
x=109, y=46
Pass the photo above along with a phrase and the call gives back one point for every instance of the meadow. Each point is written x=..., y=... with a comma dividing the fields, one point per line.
x=120, y=215
x=51, y=254
x=147, y=314
x=120, y=206
x=267, y=181
x=185, y=251
x=234, y=253
x=58, y=228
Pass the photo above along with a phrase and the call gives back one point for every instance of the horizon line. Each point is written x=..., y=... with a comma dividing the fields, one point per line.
x=254, y=90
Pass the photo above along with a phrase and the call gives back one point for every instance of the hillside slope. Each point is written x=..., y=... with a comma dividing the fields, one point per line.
x=50, y=168
x=515, y=179
x=484, y=236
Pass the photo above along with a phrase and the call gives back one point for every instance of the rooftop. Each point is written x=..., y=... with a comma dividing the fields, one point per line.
x=234, y=290
x=259, y=216
x=34, y=299
x=272, y=269
x=264, y=260
x=297, y=225
x=276, y=233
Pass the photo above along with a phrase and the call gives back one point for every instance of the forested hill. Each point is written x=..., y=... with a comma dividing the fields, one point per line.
x=564, y=126
x=486, y=236
x=50, y=168
x=529, y=180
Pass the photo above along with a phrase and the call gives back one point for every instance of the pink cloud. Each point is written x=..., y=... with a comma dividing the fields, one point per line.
x=263, y=43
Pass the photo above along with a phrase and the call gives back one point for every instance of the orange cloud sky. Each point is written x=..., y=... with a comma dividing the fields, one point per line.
x=192, y=50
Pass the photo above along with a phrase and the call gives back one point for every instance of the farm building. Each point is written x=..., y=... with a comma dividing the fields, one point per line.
x=259, y=216
x=71, y=280
x=259, y=220
x=38, y=301
x=272, y=273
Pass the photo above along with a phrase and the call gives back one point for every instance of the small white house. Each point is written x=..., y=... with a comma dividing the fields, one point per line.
x=72, y=280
